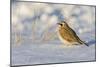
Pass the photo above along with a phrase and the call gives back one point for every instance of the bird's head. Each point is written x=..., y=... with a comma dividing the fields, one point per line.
x=63, y=24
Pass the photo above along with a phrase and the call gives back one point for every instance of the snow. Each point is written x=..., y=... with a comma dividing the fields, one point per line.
x=34, y=37
x=28, y=54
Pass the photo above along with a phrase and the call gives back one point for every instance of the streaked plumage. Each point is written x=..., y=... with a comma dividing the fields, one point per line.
x=68, y=35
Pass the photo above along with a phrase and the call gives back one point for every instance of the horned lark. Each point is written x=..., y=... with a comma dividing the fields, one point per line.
x=68, y=35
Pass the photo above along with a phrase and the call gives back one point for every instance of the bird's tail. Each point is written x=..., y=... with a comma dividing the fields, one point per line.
x=84, y=43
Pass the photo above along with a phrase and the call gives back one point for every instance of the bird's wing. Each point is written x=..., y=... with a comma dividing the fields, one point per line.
x=71, y=35
x=78, y=39
x=66, y=35
x=75, y=36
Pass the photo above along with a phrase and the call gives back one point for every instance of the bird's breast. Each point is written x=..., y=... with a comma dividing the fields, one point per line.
x=62, y=39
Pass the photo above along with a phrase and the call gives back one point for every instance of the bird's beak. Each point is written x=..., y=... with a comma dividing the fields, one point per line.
x=59, y=23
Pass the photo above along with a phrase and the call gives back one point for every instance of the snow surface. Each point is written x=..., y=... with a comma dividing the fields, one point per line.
x=28, y=54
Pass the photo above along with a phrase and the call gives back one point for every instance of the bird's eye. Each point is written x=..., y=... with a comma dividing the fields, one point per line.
x=61, y=24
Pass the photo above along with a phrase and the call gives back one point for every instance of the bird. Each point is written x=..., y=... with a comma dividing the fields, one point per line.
x=67, y=35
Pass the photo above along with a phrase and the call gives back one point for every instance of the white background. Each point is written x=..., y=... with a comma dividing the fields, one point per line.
x=5, y=33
